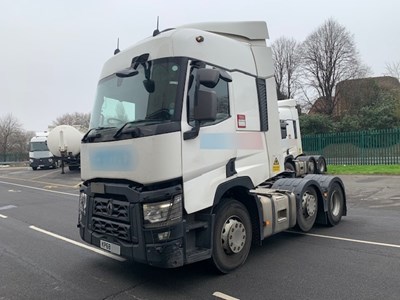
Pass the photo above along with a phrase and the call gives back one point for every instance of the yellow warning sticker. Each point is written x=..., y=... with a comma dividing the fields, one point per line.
x=276, y=167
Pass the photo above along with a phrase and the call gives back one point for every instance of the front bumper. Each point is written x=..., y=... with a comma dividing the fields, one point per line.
x=41, y=163
x=113, y=213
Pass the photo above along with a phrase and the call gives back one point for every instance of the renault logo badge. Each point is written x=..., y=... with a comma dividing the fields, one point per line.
x=110, y=208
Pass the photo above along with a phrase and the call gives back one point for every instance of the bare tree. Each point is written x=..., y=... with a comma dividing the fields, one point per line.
x=10, y=130
x=329, y=55
x=286, y=55
x=19, y=145
x=74, y=119
x=393, y=69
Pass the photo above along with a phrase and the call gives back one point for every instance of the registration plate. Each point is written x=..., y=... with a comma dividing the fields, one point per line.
x=110, y=247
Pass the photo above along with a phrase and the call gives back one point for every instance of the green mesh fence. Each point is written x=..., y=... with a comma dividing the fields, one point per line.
x=356, y=148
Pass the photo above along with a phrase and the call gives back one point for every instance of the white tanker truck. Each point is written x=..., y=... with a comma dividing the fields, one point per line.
x=64, y=142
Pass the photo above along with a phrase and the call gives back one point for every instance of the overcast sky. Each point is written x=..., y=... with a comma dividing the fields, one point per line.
x=52, y=51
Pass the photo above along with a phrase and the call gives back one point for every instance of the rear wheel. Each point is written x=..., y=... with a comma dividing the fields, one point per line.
x=307, y=209
x=312, y=166
x=335, y=204
x=232, y=236
x=321, y=165
x=34, y=168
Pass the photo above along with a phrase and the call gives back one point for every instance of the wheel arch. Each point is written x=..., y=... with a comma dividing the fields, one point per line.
x=289, y=164
x=238, y=189
x=298, y=187
x=326, y=182
x=289, y=158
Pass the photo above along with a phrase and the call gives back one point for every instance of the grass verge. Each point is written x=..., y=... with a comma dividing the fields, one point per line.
x=364, y=169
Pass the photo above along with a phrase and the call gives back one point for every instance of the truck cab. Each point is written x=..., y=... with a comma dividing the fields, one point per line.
x=290, y=129
x=184, y=130
x=295, y=159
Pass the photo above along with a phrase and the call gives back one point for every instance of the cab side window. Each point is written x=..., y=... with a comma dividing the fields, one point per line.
x=221, y=89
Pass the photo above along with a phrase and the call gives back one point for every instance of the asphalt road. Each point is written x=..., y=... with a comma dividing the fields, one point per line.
x=42, y=256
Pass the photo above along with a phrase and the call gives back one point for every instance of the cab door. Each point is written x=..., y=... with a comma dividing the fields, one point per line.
x=206, y=157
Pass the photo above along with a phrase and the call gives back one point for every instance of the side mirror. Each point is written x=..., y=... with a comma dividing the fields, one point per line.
x=208, y=77
x=128, y=72
x=149, y=85
x=205, y=102
x=205, y=108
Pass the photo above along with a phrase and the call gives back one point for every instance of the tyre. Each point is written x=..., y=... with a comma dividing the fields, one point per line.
x=321, y=165
x=307, y=209
x=311, y=166
x=335, y=204
x=232, y=236
x=73, y=168
x=34, y=168
x=289, y=166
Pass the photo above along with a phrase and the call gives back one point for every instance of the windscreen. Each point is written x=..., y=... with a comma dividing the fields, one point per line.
x=38, y=146
x=152, y=93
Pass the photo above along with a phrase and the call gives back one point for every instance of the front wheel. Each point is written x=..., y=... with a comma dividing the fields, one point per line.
x=335, y=204
x=232, y=236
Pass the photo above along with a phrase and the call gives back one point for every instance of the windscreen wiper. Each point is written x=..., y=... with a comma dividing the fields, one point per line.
x=136, y=130
x=93, y=133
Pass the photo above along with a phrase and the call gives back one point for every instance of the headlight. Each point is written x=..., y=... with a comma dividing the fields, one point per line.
x=163, y=213
x=82, y=205
x=50, y=160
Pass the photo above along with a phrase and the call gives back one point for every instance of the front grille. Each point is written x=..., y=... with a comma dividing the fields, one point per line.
x=112, y=217
x=118, y=230
x=114, y=209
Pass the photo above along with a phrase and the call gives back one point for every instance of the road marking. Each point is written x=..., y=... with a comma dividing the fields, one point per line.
x=36, y=181
x=346, y=239
x=40, y=189
x=7, y=207
x=77, y=243
x=384, y=205
x=59, y=236
x=44, y=175
x=78, y=186
x=224, y=296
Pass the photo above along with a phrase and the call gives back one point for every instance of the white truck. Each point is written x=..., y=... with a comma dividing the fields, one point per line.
x=295, y=159
x=183, y=160
x=64, y=142
x=39, y=154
